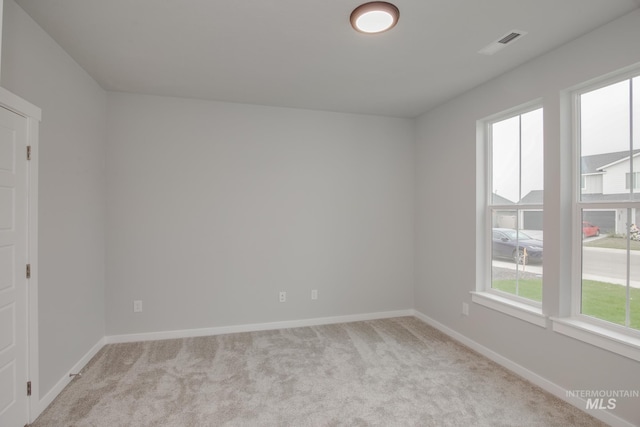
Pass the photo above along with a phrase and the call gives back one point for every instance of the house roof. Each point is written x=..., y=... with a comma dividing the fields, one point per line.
x=626, y=159
x=590, y=165
x=533, y=197
x=593, y=164
x=499, y=200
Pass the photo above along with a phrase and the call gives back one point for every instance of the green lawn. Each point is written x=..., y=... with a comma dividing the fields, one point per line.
x=527, y=288
x=605, y=301
x=614, y=243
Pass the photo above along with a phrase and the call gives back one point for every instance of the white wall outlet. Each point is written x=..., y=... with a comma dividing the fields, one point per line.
x=314, y=294
x=465, y=309
x=137, y=306
x=283, y=296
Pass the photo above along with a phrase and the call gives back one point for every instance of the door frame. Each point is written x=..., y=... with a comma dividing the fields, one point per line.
x=33, y=115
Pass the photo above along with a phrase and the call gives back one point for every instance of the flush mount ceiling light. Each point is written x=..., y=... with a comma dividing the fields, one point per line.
x=374, y=17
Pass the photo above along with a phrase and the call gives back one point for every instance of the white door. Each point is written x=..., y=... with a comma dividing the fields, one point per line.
x=13, y=261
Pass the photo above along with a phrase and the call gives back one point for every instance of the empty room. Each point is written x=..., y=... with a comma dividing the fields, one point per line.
x=319, y=213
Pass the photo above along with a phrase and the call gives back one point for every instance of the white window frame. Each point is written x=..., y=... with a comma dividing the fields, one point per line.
x=603, y=334
x=510, y=304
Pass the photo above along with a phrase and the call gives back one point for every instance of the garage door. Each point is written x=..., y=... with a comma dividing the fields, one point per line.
x=532, y=220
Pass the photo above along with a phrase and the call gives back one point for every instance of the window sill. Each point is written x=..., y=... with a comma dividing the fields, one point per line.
x=616, y=342
x=515, y=309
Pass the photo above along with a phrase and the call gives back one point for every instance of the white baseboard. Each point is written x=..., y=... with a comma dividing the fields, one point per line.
x=66, y=379
x=253, y=327
x=543, y=383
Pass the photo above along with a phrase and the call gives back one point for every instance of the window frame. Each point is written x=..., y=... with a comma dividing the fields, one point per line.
x=607, y=335
x=579, y=205
x=510, y=304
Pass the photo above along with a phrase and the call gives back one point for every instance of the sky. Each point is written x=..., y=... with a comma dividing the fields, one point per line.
x=605, y=118
x=514, y=176
x=605, y=128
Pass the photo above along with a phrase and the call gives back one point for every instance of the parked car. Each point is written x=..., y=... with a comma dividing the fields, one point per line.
x=589, y=230
x=516, y=246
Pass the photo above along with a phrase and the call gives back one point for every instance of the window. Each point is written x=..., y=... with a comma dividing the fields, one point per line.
x=515, y=205
x=607, y=286
x=636, y=180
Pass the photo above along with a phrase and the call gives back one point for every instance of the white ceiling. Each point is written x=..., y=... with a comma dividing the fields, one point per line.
x=303, y=53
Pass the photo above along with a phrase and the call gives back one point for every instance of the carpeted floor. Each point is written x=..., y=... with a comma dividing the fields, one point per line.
x=393, y=372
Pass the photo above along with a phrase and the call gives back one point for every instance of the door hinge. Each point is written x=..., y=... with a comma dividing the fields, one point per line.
x=28, y=271
x=28, y=388
x=28, y=152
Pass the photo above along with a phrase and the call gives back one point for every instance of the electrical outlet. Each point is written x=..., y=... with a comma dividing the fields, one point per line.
x=465, y=309
x=283, y=296
x=137, y=306
x=314, y=294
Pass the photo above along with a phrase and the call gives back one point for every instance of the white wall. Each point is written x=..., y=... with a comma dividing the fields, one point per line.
x=215, y=207
x=71, y=191
x=446, y=214
x=614, y=179
x=1, y=20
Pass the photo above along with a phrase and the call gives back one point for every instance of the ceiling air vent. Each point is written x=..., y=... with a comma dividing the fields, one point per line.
x=509, y=37
x=495, y=46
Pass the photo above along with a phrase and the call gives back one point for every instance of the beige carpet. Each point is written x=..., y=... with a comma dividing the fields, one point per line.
x=394, y=372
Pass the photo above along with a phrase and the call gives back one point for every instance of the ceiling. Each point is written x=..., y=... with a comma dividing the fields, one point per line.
x=303, y=53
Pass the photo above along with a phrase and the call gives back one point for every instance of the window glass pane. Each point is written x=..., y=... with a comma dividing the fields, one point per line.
x=505, y=142
x=516, y=252
x=605, y=142
x=532, y=157
x=517, y=179
x=611, y=267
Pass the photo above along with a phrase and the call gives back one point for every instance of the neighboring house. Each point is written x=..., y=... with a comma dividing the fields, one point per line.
x=607, y=177
x=528, y=220
x=503, y=218
x=608, y=173
x=604, y=177
x=532, y=220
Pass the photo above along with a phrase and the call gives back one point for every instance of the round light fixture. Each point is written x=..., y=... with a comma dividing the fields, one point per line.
x=374, y=17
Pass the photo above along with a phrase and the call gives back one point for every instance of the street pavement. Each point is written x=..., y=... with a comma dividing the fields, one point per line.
x=601, y=264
